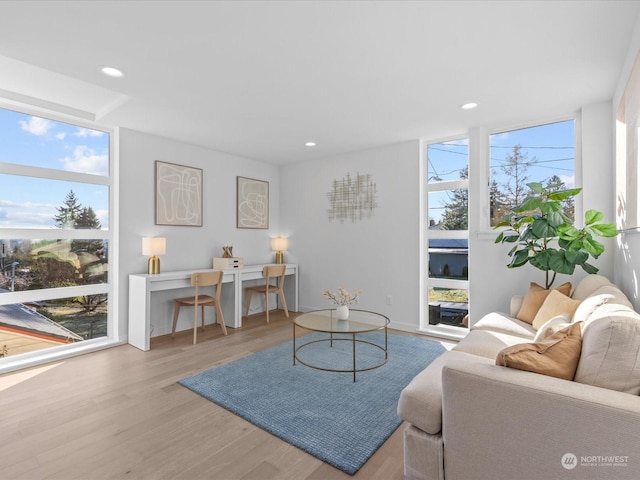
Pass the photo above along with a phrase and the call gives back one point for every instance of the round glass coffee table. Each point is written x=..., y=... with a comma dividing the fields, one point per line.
x=325, y=321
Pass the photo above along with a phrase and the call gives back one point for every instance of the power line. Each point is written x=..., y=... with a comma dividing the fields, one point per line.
x=513, y=146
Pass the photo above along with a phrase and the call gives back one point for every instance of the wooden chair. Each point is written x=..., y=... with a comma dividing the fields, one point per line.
x=201, y=279
x=269, y=272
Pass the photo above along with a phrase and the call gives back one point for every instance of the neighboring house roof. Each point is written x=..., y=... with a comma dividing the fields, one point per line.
x=18, y=318
x=449, y=243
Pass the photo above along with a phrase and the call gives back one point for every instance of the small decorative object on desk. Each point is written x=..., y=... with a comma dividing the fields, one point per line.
x=227, y=251
x=343, y=299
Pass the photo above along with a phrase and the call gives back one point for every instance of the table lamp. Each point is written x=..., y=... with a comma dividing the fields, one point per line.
x=154, y=246
x=279, y=245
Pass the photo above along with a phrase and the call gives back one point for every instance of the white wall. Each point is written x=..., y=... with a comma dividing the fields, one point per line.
x=381, y=255
x=187, y=247
x=627, y=263
x=377, y=255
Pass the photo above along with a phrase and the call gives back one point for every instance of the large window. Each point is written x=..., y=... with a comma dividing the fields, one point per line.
x=54, y=233
x=496, y=169
x=447, y=234
x=542, y=154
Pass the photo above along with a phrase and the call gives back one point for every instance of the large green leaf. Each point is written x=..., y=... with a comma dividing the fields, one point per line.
x=590, y=269
x=558, y=263
x=519, y=258
x=592, y=216
x=530, y=204
x=541, y=260
x=542, y=229
x=592, y=246
x=568, y=232
x=605, y=229
x=548, y=207
x=577, y=257
x=555, y=219
x=564, y=194
x=536, y=187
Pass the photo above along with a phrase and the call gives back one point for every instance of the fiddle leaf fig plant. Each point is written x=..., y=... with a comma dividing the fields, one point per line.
x=545, y=236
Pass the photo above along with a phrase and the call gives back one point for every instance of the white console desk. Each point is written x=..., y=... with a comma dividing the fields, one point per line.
x=141, y=286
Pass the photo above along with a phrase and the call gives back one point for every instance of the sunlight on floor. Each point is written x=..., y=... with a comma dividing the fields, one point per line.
x=11, y=379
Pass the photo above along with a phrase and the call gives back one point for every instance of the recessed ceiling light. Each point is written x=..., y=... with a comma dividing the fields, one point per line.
x=468, y=106
x=310, y=144
x=111, y=72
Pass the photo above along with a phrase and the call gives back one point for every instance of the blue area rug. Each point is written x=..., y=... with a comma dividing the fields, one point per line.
x=323, y=413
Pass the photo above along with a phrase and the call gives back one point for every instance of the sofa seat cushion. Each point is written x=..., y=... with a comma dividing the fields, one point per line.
x=610, y=355
x=420, y=402
x=487, y=343
x=503, y=323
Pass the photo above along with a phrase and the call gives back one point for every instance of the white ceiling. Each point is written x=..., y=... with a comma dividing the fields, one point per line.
x=259, y=79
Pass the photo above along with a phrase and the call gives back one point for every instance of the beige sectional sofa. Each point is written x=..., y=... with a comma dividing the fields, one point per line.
x=472, y=419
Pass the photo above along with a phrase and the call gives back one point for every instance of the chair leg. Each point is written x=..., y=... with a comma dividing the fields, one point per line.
x=195, y=323
x=176, y=312
x=266, y=301
x=284, y=302
x=248, y=302
x=220, y=318
x=202, y=311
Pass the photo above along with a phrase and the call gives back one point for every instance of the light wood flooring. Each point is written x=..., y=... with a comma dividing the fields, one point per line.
x=119, y=414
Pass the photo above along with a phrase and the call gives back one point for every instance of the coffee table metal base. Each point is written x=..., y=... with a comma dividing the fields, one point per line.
x=353, y=341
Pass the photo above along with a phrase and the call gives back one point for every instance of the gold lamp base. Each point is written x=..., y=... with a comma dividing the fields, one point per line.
x=154, y=265
x=279, y=257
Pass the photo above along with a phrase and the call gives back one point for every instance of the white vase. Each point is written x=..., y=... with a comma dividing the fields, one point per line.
x=342, y=312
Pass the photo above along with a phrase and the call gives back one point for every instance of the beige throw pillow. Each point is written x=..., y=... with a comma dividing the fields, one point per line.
x=555, y=304
x=534, y=299
x=556, y=355
x=610, y=355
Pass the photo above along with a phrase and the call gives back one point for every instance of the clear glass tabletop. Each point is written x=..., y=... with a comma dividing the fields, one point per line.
x=326, y=321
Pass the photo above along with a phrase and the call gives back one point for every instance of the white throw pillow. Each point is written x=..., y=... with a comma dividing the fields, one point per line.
x=562, y=319
x=589, y=305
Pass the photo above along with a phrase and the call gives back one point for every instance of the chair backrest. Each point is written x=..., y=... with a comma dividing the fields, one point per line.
x=274, y=271
x=205, y=279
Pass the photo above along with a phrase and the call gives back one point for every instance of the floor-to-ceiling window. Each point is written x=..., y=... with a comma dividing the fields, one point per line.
x=447, y=169
x=55, y=235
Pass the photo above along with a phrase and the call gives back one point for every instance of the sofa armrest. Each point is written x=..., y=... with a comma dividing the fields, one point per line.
x=516, y=303
x=500, y=423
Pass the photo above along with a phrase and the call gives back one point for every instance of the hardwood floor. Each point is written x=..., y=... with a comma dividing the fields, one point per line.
x=119, y=413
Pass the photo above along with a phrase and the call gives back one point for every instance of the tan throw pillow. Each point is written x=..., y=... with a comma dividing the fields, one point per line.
x=556, y=355
x=534, y=299
x=555, y=304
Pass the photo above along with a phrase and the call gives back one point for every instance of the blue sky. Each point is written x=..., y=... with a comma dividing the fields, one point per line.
x=551, y=146
x=27, y=202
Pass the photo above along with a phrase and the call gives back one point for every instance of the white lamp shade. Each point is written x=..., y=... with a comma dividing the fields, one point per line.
x=154, y=246
x=279, y=244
